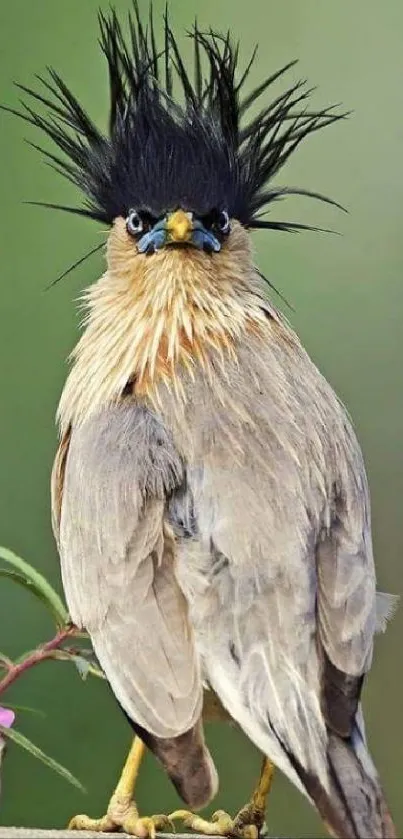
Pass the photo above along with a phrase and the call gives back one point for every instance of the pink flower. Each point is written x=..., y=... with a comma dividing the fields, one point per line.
x=7, y=717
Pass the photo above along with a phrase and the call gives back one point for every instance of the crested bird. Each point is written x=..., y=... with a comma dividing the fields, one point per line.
x=210, y=501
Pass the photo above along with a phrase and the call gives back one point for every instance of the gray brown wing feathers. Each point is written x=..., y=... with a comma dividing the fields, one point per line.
x=350, y=611
x=347, y=611
x=117, y=564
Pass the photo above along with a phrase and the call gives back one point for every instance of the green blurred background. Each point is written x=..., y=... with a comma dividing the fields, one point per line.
x=348, y=296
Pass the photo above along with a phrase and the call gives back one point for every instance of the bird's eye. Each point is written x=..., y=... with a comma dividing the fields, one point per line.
x=134, y=223
x=223, y=222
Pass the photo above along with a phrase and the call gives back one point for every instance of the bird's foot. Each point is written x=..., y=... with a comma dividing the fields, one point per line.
x=248, y=824
x=122, y=814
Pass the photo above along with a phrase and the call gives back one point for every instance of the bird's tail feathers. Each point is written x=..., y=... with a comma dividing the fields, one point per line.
x=187, y=762
x=354, y=806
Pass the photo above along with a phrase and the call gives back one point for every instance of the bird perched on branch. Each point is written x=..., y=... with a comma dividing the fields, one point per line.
x=210, y=501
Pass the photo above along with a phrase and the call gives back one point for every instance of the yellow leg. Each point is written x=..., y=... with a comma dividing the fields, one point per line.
x=125, y=787
x=122, y=811
x=260, y=795
x=248, y=824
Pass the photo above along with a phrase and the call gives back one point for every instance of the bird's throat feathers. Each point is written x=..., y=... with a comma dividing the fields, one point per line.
x=153, y=318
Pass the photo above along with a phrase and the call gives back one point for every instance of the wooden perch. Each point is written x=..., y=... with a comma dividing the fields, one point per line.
x=37, y=833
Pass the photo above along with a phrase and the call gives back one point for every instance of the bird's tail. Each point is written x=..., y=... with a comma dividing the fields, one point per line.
x=354, y=807
x=187, y=762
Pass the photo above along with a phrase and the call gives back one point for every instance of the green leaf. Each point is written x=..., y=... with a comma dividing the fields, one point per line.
x=94, y=670
x=21, y=740
x=24, y=709
x=5, y=661
x=84, y=666
x=87, y=668
x=36, y=582
x=28, y=584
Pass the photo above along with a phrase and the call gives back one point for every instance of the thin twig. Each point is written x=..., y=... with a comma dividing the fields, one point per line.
x=45, y=651
x=6, y=662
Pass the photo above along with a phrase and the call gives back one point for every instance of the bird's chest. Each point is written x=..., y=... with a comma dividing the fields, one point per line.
x=239, y=528
x=251, y=498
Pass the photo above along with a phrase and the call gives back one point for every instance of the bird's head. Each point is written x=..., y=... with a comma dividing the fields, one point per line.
x=182, y=175
x=183, y=166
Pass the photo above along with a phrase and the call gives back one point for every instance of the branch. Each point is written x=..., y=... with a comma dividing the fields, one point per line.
x=43, y=652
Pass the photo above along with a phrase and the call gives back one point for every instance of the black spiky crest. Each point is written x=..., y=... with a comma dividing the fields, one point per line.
x=201, y=153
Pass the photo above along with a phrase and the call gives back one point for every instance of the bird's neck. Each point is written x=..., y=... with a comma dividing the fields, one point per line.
x=152, y=330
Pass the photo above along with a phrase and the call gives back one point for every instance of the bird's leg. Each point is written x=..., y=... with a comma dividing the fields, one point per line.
x=249, y=822
x=122, y=812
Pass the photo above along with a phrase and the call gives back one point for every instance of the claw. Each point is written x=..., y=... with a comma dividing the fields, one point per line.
x=82, y=822
x=194, y=822
x=148, y=826
x=246, y=825
x=129, y=821
x=184, y=816
x=249, y=823
x=219, y=825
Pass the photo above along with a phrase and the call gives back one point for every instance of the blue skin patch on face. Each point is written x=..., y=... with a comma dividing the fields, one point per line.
x=154, y=240
x=204, y=239
x=158, y=238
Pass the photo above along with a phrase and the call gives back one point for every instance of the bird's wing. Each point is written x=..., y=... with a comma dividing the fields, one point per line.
x=347, y=604
x=110, y=481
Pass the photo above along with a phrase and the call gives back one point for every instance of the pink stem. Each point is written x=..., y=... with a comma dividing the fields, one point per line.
x=40, y=654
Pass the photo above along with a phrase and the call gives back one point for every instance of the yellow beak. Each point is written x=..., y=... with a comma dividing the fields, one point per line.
x=179, y=226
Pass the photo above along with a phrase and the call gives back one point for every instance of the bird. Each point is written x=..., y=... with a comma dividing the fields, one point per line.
x=209, y=496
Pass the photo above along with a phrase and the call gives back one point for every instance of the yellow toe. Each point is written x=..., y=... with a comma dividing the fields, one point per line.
x=219, y=825
x=82, y=822
x=245, y=826
x=147, y=827
x=126, y=818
